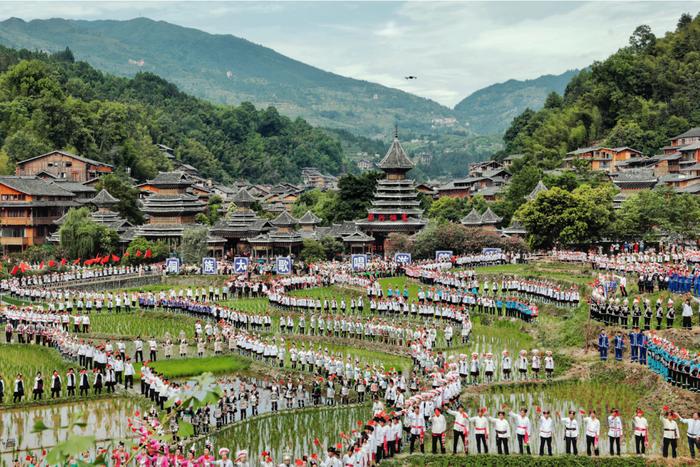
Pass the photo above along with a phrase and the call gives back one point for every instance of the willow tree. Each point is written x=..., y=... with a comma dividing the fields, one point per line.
x=82, y=237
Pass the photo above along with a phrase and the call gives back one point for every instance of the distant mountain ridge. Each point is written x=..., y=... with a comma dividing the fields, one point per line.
x=490, y=110
x=228, y=69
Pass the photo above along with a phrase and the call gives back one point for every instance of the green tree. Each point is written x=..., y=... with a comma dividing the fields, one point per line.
x=118, y=186
x=312, y=251
x=193, y=245
x=448, y=209
x=136, y=251
x=560, y=217
x=332, y=247
x=82, y=237
x=642, y=38
x=650, y=214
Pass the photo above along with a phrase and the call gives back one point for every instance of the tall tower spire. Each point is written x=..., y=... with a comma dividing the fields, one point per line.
x=396, y=131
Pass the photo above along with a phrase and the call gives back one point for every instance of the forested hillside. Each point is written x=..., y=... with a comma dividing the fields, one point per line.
x=491, y=109
x=52, y=102
x=227, y=69
x=638, y=97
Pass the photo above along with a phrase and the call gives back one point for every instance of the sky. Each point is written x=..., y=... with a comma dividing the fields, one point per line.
x=453, y=48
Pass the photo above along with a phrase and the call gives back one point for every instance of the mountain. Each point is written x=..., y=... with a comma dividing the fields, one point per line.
x=491, y=109
x=227, y=69
x=640, y=96
x=52, y=102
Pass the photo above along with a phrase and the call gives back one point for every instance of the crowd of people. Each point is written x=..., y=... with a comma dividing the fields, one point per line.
x=406, y=406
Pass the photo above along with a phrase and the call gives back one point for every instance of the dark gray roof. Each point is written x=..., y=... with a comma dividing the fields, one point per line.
x=243, y=197
x=309, y=218
x=35, y=186
x=692, y=133
x=666, y=157
x=583, y=150
x=80, y=158
x=75, y=187
x=690, y=147
x=396, y=157
x=473, y=218
x=538, y=188
x=103, y=198
x=490, y=217
x=169, y=178
x=284, y=220
x=692, y=189
x=638, y=175
x=515, y=227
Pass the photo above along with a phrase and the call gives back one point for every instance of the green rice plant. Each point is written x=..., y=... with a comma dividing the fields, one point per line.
x=184, y=367
x=141, y=323
x=28, y=359
x=291, y=432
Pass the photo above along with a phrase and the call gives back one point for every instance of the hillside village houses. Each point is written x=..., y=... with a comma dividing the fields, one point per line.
x=34, y=201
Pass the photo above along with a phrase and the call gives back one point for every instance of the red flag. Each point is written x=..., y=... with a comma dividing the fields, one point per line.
x=14, y=270
x=105, y=259
x=88, y=262
x=126, y=255
x=77, y=261
x=63, y=261
x=148, y=253
x=52, y=263
x=115, y=258
x=138, y=253
x=23, y=267
x=316, y=442
x=97, y=259
x=41, y=265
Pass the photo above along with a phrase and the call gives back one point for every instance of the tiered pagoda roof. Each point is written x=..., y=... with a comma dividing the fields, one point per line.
x=309, y=218
x=104, y=215
x=538, y=188
x=284, y=219
x=396, y=158
x=474, y=219
x=515, y=228
x=395, y=207
x=172, y=205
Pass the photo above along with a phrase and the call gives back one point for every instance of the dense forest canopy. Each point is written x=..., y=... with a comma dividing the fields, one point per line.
x=52, y=102
x=638, y=97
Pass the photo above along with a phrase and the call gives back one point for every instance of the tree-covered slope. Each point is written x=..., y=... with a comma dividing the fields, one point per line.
x=491, y=109
x=639, y=97
x=227, y=69
x=51, y=102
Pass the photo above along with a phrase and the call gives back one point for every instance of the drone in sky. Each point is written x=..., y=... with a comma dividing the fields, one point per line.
x=410, y=77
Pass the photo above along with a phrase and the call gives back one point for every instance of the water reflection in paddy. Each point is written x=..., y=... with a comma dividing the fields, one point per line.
x=106, y=419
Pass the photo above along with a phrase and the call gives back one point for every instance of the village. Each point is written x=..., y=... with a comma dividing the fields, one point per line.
x=45, y=187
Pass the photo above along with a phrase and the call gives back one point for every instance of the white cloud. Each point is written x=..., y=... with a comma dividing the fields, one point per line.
x=454, y=48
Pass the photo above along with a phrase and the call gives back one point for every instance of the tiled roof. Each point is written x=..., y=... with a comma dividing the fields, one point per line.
x=396, y=157
x=243, y=197
x=309, y=218
x=692, y=133
x=538, y=188
x=35, y=186
x=473, y=218
x=168, y=178
x=103, y=198
x=490, y=217
x=284, y=219
x=80, y=158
